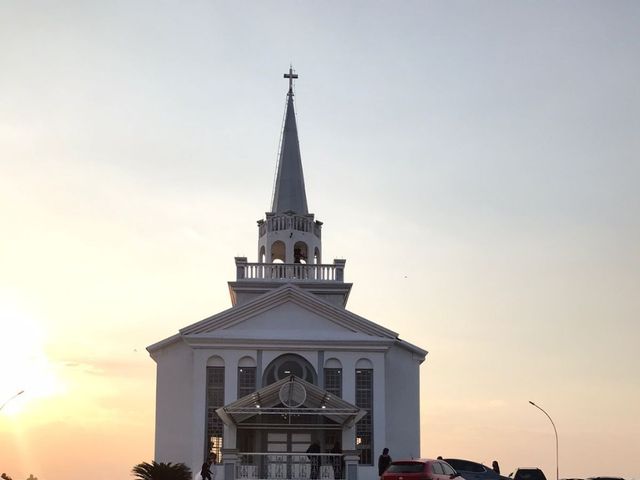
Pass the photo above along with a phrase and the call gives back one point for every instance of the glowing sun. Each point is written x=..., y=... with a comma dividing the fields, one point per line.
x=25, y=371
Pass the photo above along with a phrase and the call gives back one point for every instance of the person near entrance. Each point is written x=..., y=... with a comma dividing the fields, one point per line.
x=314, y=448
x=337, y=461
x=384, y=461
x=205, y=472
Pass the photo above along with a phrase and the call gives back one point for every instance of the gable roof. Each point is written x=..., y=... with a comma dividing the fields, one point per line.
x=311, y=400
x=359, y=329
x=289, y=293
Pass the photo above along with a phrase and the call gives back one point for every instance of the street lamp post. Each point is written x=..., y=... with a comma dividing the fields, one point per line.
x=19, y=393
x=556, y=432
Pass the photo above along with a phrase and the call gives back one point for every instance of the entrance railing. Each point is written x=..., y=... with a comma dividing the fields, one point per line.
x=289, y=466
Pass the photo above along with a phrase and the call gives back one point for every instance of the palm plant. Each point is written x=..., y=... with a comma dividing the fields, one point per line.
x=161, y=471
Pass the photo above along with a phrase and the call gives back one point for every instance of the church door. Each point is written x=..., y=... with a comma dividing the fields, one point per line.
x=287, y=456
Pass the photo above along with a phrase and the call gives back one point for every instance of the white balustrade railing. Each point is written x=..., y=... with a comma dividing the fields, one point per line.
x=289, y=466
x=290, y=272
x=290, y=222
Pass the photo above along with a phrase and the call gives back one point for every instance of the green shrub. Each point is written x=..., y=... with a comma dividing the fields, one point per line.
x=161, y=471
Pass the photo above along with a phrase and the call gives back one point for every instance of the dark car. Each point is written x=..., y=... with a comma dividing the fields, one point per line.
x=605, y=478
x=528, y=474
x=473, y=470
x=420, y=469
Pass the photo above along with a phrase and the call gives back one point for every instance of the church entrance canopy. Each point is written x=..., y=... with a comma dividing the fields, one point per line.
x=290, y=402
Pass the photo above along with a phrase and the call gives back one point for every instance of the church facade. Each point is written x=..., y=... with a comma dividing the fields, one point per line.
x=287, y=383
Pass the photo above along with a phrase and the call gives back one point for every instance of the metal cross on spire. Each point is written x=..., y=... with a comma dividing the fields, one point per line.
x=290, y=76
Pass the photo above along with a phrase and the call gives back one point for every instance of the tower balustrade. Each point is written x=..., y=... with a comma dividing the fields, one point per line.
x=301, y=223
x=288, y=272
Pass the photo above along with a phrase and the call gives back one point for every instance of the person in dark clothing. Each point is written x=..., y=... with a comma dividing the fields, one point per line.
x=337, y=461
x=315, y=460
x=205, y=473
x=384, y=461
x=496, y=467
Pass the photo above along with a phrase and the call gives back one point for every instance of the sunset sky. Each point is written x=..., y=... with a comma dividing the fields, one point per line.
x=477, y=163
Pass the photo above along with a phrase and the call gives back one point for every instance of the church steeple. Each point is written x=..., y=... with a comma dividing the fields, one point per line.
x=289, y=193
x=289, y=237
x=289, y=233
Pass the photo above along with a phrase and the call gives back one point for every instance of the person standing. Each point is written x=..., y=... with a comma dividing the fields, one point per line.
x=337, y=460
x=384, y=461
x=314, y=449
x=496, y=467
x=212, y=469
x=205, y=473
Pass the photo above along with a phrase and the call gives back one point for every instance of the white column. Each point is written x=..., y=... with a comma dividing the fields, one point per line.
x=348, y=379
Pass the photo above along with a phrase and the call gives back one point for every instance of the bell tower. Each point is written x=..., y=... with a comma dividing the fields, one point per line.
x=289, y=237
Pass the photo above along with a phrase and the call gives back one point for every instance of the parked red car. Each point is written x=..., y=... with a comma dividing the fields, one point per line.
x=420, y=469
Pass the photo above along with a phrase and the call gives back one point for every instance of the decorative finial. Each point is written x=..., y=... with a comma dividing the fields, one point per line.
x=290, y=76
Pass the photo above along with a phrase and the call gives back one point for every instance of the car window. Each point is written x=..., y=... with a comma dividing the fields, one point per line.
x=529, y=474
x=447, y=469
x=405, y=467
x=436, y=467
x=465, y=465
x=459, y=465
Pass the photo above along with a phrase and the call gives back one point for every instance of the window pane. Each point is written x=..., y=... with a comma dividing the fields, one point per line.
x=246, y=381
x=364, y=428
x=215, y=399
x=405, y=468
x=447, y=469
x=333, y=381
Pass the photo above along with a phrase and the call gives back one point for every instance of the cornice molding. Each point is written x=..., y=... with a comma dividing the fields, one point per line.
x=197, y=341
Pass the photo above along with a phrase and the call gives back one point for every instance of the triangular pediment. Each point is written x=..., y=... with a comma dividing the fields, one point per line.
x=289, y=319
x=290, y=396
x=285, y=310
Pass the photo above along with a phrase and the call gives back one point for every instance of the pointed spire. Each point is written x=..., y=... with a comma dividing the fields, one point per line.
x=289, y=193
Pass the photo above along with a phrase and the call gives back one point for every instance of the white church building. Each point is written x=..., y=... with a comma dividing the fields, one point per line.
x=287, y=383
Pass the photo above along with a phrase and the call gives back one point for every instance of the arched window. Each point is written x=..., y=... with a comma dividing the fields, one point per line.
x=300, y=252
x=364, y=363
x=278, y=252
x=333, y=377
x=364, y=400
x=215, y=400
x=247, y=361
x=316, y=256
x=289, y=364
x=262, y=254
x=215, y=361
x=332, y=363
x=246, y=376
